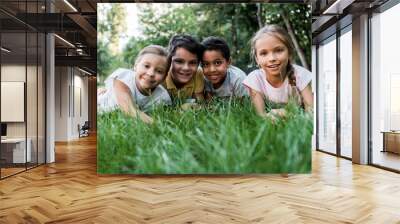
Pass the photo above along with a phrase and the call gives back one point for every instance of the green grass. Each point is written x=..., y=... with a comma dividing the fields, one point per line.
x=223, y=137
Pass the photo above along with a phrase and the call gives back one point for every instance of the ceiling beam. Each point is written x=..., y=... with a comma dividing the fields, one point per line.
x=86, y=26
x=81, y=61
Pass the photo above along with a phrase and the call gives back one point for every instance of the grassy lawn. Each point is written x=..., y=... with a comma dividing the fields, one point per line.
x=223, y=137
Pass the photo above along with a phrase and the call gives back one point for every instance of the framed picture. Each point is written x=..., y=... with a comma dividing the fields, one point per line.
x=204, y=88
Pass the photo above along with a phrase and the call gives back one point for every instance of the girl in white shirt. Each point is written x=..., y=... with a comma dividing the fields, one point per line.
x=277, y=80
x=137, y=91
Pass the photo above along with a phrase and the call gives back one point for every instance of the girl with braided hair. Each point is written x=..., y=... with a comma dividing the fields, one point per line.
x=277, y=80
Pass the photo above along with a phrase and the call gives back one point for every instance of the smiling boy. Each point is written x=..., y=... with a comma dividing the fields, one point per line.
x=221, y=78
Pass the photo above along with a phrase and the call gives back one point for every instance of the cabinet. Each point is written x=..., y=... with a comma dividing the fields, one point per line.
x=391, y=141
x=13, y=150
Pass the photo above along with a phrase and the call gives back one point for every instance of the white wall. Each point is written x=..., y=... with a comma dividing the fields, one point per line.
x=50, y=96
x=71, y=102
x=12, y=73
x=62, y=81
x=33, y=126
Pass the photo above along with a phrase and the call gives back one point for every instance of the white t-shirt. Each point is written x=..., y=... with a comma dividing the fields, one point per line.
x=232, y=85
x=108, y=102
x=257, y=81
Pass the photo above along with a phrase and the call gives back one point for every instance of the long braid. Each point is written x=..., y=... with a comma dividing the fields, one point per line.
x=282, y=35
x=290, y=74
x=292, y=81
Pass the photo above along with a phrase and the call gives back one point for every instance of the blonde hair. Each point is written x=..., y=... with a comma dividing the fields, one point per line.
x=281, y=34
x=153, y=49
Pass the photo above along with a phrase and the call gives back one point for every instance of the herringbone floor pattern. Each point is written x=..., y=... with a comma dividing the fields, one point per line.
x=70, y=191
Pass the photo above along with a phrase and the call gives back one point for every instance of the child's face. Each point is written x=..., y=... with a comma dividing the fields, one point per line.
x=214, y=66
x=271, y=55
x=150, y=71
x=183, y=66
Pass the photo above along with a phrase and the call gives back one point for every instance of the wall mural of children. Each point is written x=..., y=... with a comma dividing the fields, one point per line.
x=200, y=132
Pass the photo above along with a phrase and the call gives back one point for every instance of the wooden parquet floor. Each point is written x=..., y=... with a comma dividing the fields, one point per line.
x=70, y=191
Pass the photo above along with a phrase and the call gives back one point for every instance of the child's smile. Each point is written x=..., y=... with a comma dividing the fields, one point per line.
x=184, y=66
x=215, y=67
x=150, y=72
x=272, y=55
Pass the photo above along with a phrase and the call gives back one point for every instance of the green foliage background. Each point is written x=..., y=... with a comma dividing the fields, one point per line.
x=236, y=23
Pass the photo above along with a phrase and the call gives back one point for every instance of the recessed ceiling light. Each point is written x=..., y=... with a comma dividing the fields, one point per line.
x=64, y=40
x=5, y=50
x=70, y=5
x=337, y=7
x=86, y=72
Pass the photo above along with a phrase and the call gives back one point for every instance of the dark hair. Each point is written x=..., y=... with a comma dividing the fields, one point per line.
x=219, y=44
x=187, y=42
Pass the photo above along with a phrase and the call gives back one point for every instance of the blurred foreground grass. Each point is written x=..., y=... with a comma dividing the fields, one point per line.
x=223, y=137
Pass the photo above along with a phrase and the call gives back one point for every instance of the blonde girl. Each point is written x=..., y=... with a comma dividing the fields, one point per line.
x=277, y=80
x=137, y=91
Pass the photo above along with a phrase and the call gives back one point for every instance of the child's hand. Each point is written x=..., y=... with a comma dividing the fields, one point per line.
x=274, y=114
x=278, y=112
x=101, y=90
x=146, y=118
x=187, y=106
x=270, y=116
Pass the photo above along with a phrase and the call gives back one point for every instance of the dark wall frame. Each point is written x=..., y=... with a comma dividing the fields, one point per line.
x=326, y=39
x=341, y=27
x=0, y=90
x=316, y=97
x=44, y=77
x=338, y=72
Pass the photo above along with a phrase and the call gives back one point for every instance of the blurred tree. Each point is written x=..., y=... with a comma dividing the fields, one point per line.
x=111, y=24
x=116, y=25
x=296, y=18
x=132, y=49
x=236, y=23
x=106, y=62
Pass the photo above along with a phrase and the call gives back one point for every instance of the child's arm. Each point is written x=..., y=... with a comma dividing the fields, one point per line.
x=101, y=90
x=126, y=103
x=198, y=92
x=258, y=102
x=199, y=96
x=308, y=98
x=208, y=96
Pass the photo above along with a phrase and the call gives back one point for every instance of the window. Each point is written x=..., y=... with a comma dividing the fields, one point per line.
x=327, y=95
x=385, y=85
x=346, y=75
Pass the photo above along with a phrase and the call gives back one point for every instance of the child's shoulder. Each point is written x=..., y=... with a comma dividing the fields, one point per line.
x=255, y=73
x=161, y=91
x=236, y=72
x=253, y=77
x=301, y=71
x=303, y=76
x=121, y=73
